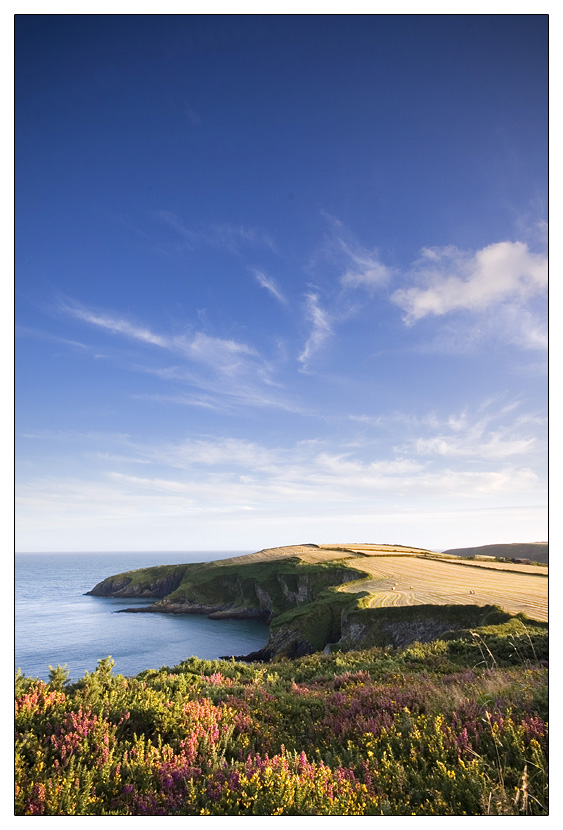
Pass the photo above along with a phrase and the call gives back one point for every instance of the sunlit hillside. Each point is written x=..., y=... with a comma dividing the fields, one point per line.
x=401, y=575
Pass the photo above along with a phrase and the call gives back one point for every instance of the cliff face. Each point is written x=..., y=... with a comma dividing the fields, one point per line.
x=310, y=627
x=249, y=591
x=403, y=625
x=340, y=621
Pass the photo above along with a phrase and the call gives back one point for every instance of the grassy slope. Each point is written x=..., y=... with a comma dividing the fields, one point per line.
x=263, y=588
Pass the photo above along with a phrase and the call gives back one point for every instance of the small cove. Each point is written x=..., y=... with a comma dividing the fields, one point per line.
x=56, y=623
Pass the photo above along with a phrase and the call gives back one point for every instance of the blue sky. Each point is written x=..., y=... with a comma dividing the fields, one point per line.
x=280, y=279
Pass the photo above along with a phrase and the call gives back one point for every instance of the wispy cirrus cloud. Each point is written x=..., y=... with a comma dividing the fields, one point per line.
x=249, y=387
x=270, y=285
x=365, y=269
x=116, y=325
x=523, y=327
x=25, y=331
x=488, y=436
x=353, y=266
x=497, y=445
x=199, y=347
x=218, y=451
x=491, y=433
x=321, y=329
x=214, y=404
x=188, y=236
x=448, y=280
x=214, y=351
x=359, y=267
x=230, y=373
x=227, y=235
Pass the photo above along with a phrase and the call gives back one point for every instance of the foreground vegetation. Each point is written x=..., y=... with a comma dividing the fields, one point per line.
x=453, y=727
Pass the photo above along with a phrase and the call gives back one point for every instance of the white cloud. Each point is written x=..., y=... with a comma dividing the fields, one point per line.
x=213, y=351
x=229, y=372
x=365, y=270
x=220, y=353
x=363, y=267
x=243, y=386
x=522, y=326
x=270, y=285
x=213, y=452
x=197, y=401
x=343, y=464
x=167, y=485
x=320, y=331
x=479, y=438
x=116, y=325
x=496, y=447
x=452, y=280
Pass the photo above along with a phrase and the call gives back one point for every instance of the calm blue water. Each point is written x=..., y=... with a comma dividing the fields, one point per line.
x=56, y=624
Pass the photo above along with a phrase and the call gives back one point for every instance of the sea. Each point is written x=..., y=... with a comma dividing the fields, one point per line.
x=57, y=624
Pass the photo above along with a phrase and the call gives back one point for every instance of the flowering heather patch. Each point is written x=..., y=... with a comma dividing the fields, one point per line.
x=363, y=733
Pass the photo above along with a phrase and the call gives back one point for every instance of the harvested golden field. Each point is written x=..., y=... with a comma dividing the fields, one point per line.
x=423, y=580
x=308, y=553
x=502, y=566
x=376, y=550
x=325, y=553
